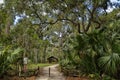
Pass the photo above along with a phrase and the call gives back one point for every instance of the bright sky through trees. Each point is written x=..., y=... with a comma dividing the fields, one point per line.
x=109, y=8
x=115, y=0
x=1, y=1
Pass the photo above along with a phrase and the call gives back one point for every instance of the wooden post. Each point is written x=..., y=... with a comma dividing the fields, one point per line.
x=49, y=71
x=19, y=69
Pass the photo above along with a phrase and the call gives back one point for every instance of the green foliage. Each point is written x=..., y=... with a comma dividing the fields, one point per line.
x=81, y=31
x=40, y=65
x=94, y=76
x=110, y=63
x=7, y=57
x=98, y=51
x=88, y=65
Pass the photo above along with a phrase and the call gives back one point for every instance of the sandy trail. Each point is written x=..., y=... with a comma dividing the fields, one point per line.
x=54, y=73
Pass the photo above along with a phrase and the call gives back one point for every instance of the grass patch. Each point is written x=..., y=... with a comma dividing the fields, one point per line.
x=35, y=66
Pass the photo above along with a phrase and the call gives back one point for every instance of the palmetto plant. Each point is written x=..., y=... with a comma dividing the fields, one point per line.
x=7, y=57
x=110, y=63
x=101, y=51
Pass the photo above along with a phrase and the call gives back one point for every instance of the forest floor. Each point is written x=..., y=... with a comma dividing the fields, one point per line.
x=52, y=73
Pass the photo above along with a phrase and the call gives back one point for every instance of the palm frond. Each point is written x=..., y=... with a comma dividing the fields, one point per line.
x=109, y=63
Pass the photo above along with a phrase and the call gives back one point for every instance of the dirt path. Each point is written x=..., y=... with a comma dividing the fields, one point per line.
x=54, y=73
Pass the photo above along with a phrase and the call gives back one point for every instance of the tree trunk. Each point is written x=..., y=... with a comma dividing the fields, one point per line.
x=44, y=54
x=35, y=56
x=7, y=27
x=8, y=23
